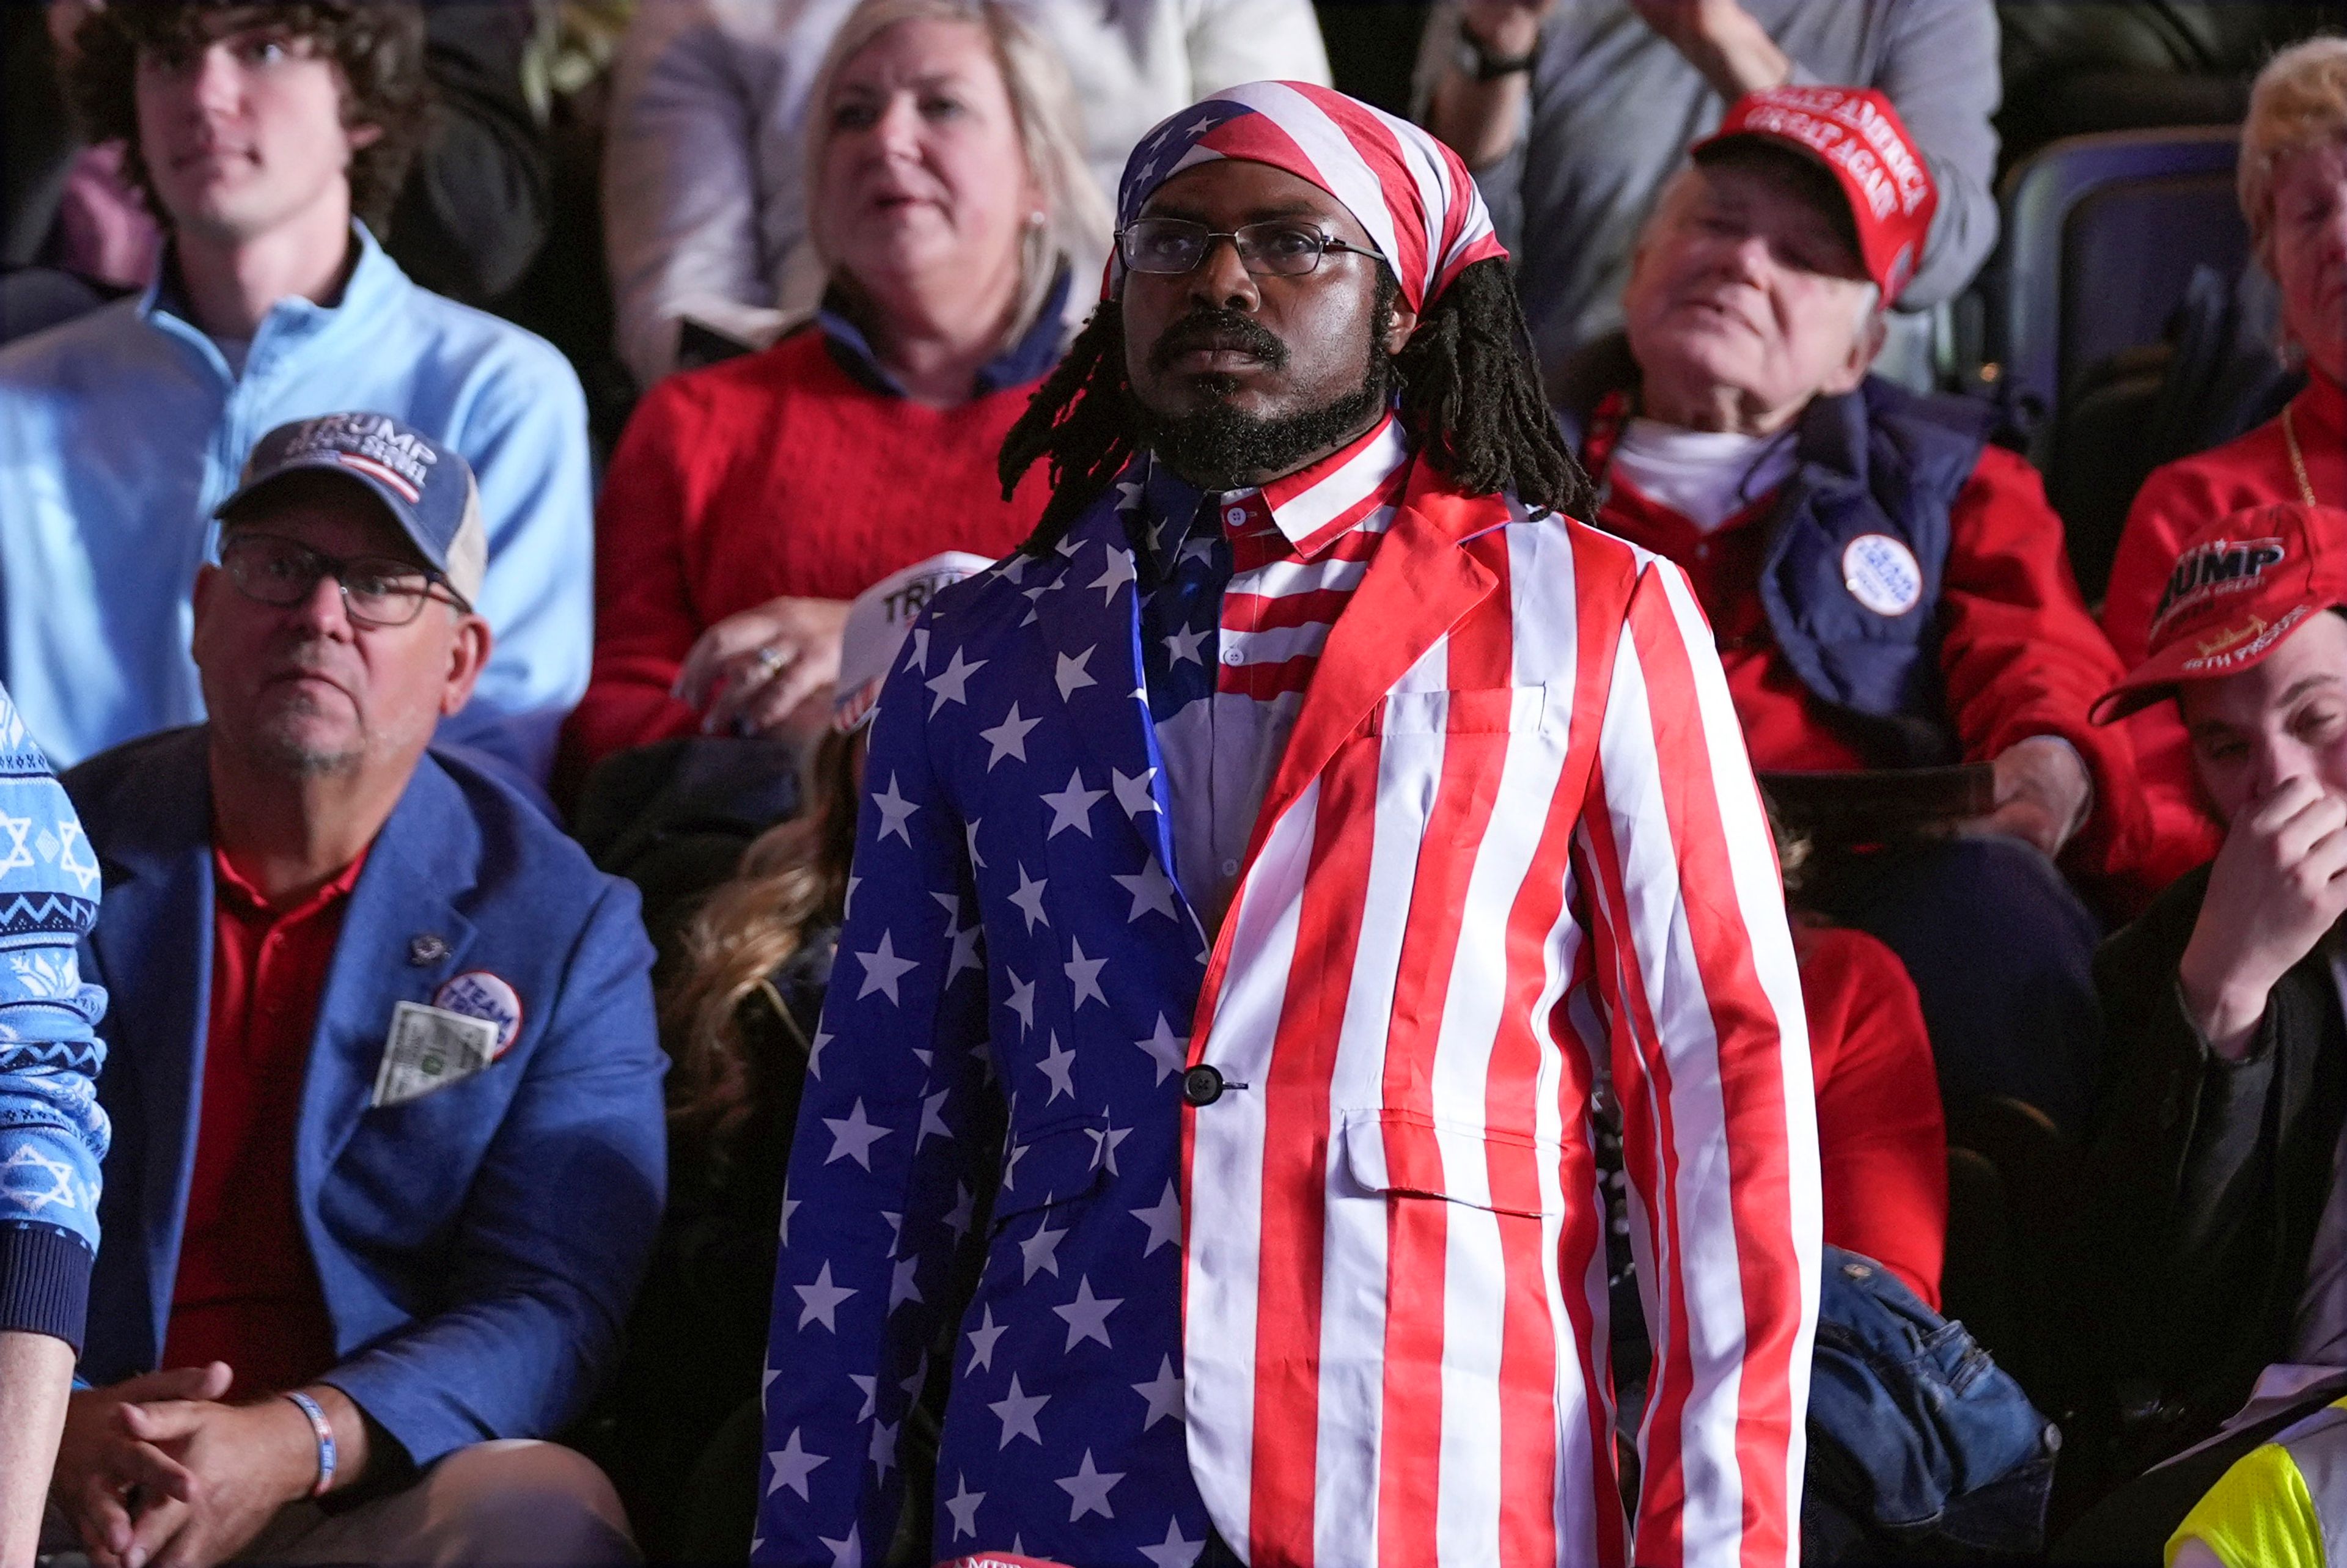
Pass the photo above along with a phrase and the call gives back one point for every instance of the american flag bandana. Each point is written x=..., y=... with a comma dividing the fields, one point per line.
x=1415, y=199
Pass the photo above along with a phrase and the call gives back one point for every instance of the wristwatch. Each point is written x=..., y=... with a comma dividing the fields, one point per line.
x=1476, y=59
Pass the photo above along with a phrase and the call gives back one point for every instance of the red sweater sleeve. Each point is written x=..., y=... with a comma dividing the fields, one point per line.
x=1882, y=1146
x=2175, y=502
x=654, y=495
x=2020, y=653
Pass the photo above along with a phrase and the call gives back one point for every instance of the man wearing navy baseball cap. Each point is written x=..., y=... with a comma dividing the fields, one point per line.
x=428, y=490
x=389, y=1155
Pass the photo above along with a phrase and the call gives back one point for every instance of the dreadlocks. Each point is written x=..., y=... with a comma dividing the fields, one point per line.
x=1470, y=396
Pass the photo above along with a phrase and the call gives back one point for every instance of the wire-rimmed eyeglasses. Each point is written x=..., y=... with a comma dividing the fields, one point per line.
x=1170, y=247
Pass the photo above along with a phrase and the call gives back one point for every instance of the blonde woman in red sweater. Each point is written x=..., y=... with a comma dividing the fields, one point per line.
x=748, y=502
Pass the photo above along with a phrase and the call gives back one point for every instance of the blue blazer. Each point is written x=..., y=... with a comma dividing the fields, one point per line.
x=478, y=1247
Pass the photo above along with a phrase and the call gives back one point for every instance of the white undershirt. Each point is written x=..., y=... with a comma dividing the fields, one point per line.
x=1705, y=476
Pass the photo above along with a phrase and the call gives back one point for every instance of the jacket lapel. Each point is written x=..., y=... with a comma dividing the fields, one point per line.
x=402, y=910
x=1090, y=619
x=1421, y=583
x=154, y=947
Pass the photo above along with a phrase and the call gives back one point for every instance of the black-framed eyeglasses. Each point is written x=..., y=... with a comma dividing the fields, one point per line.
x=379, y=591
x=1170, y=247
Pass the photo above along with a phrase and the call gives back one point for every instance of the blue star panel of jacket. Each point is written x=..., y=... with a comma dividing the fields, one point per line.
x=899, y=1166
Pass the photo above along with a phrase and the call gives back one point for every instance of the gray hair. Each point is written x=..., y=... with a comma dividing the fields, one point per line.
x=1076, y=219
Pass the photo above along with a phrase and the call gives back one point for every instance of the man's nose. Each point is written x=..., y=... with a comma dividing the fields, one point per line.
x=323, y=610
x=1221, y=280
x=1750, y=258
x=216, y=81
x=2276, y=762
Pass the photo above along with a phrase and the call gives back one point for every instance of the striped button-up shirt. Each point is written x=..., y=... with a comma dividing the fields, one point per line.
x=1239, y=590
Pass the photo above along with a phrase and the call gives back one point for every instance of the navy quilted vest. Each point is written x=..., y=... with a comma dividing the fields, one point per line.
x=1879, y=461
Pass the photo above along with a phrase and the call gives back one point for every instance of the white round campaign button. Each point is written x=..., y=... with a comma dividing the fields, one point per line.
x=477, y=993
x=1882, y=574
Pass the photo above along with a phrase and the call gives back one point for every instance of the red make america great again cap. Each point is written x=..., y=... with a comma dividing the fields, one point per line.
x=2239, y=588
x=1861, y=141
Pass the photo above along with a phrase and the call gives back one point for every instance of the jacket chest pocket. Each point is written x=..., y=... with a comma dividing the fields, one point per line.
x=1051, y=1167
x=412, y=1164
x=1404, y=1154
x=1442, y=755
x=1475, y=710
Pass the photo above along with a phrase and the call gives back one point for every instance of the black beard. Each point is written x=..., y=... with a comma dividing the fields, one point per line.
x=1217, y=448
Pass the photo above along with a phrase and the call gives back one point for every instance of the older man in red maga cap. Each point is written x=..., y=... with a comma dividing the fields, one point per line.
x=1887, y=588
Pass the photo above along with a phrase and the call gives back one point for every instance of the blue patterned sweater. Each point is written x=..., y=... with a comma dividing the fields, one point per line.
x=52, y=1133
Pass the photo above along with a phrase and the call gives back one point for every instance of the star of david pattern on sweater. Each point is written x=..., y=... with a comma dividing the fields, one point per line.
x=53, y=1135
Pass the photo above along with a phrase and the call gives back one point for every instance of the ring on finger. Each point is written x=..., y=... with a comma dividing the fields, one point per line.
x=773, y=659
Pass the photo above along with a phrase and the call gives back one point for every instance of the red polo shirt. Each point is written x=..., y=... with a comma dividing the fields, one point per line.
x=247, y=1292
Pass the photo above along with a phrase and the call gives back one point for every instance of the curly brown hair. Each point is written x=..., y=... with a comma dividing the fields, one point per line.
x=377, y=45
x=792, y=882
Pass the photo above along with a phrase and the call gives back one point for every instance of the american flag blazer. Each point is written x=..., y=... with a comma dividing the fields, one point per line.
x=1353, y=1309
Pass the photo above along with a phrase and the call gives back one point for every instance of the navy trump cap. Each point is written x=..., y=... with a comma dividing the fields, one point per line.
x=427, y=488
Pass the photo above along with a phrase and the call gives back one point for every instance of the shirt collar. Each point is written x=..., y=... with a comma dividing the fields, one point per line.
x=232, y=885
x=372, y=275
x=1026, y=359
x=1307, y=510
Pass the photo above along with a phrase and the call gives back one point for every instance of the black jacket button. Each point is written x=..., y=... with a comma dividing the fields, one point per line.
x=1202, y=1086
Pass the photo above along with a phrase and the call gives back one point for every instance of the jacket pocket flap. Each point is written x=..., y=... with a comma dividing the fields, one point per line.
x=1049, y=1165
x=1405, y=1154
x=1481, y=710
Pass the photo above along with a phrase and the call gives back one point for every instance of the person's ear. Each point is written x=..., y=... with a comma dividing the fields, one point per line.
x=469, y=651
x=1864, y=345
x=207, y=588
x=363, y=136
x=1400, y=324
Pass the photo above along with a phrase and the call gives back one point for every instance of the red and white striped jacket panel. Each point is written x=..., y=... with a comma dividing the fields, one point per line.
x=1513, y=843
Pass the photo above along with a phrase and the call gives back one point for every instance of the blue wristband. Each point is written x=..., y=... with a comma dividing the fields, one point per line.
x=324, y=1430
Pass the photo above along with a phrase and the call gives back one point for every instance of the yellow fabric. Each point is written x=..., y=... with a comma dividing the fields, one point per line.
x=2258, y=1515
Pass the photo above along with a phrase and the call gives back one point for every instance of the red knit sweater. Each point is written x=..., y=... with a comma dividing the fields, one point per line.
x=770, y=475
x=1882, y=1148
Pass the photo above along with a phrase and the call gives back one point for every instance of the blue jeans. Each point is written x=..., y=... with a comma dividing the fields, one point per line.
x=1920, y=1445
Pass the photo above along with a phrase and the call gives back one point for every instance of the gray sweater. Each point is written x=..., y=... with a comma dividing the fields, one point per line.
x=1615, y=107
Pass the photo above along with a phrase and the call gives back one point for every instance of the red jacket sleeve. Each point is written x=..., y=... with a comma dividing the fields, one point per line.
x=655, y=495
x=2019, y=652
x=1882, y=1145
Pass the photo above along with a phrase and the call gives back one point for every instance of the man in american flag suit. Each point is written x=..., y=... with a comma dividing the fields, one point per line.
x=1258, y=874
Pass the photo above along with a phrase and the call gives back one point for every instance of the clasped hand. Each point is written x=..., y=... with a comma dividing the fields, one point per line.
x=155, y=1471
